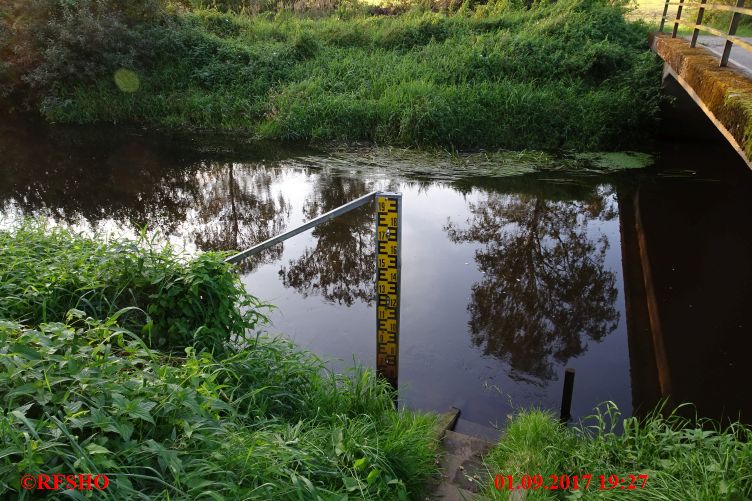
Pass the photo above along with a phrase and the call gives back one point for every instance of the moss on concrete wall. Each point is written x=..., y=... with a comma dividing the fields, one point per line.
x=726, y=92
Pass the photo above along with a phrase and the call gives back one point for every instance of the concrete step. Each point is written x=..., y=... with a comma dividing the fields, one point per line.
x=462, y=463
x=473, y=429
x=450, y=492
x=447, y=421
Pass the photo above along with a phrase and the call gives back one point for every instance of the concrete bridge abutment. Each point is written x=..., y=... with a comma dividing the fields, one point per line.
x=723, y=95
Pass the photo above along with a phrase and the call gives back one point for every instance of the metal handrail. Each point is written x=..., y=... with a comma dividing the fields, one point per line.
x=719, y=33
x=358, y=202
x=714, y=6
x=738, y=11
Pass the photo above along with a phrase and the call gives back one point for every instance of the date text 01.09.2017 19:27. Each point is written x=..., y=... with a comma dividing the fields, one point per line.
x=570, y=482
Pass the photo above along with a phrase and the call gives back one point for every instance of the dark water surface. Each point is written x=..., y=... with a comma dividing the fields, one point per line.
x=641, y=281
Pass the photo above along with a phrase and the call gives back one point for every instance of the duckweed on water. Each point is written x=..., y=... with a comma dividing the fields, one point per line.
x=441, y=165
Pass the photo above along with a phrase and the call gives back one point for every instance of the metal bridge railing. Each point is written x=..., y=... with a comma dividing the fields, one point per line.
x=738, y=11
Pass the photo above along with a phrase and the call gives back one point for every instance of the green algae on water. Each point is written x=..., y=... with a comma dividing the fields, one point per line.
x=449, y=166
x=614, y=161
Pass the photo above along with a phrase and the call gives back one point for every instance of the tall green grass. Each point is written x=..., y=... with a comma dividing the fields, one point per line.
x=687, y=459
x=225, y=413
x=173, y=301
x=571, y=74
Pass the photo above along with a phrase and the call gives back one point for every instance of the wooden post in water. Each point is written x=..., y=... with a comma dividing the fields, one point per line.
x=388, y=263
x=566, y=396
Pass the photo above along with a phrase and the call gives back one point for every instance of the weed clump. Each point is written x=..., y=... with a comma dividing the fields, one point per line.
x=267, y=422
x=170, y=301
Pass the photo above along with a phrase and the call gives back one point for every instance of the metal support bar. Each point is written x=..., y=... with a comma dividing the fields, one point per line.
x=696, y=32
x=735, y=18
x=663, y=18
x=342, y=209
x=715, y=6
x=678, y=17
x=721, y=34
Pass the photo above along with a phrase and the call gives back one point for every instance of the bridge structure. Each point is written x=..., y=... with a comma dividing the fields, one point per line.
x=703, y=65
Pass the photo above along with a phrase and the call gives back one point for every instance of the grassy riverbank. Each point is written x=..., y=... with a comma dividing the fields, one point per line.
x=682, y=459
x=232, y=414
x=571, y=74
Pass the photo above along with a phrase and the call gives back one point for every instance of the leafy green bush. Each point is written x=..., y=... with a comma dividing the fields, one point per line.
x=264, y=422
x=688, y=459
x=52, y=44
x=200, y=302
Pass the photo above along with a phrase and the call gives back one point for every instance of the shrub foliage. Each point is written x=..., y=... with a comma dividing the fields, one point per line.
x=568, y=74
x=51, y=45
x=171, y=302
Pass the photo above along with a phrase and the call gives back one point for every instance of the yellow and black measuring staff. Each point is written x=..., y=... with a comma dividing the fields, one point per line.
x=388, y=261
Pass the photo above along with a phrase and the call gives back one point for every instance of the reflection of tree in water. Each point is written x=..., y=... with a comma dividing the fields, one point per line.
x=126, y=183
x=238, y=210
x=341, y=266
x=135, y=183
x=545, y=290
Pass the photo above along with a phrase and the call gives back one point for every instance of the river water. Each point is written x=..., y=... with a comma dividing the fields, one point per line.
x=640, y=280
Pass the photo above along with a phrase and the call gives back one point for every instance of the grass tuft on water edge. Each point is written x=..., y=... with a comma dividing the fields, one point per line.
x=687, y=459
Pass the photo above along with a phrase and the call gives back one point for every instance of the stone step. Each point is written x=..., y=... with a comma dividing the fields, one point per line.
x=462, y=463
x=461, y=460
x=447, y=421
x=474, y=429
x=450, y=492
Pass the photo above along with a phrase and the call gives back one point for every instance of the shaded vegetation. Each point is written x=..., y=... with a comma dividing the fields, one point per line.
x=258, y=419
x=569, y=74
x=691, y=459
